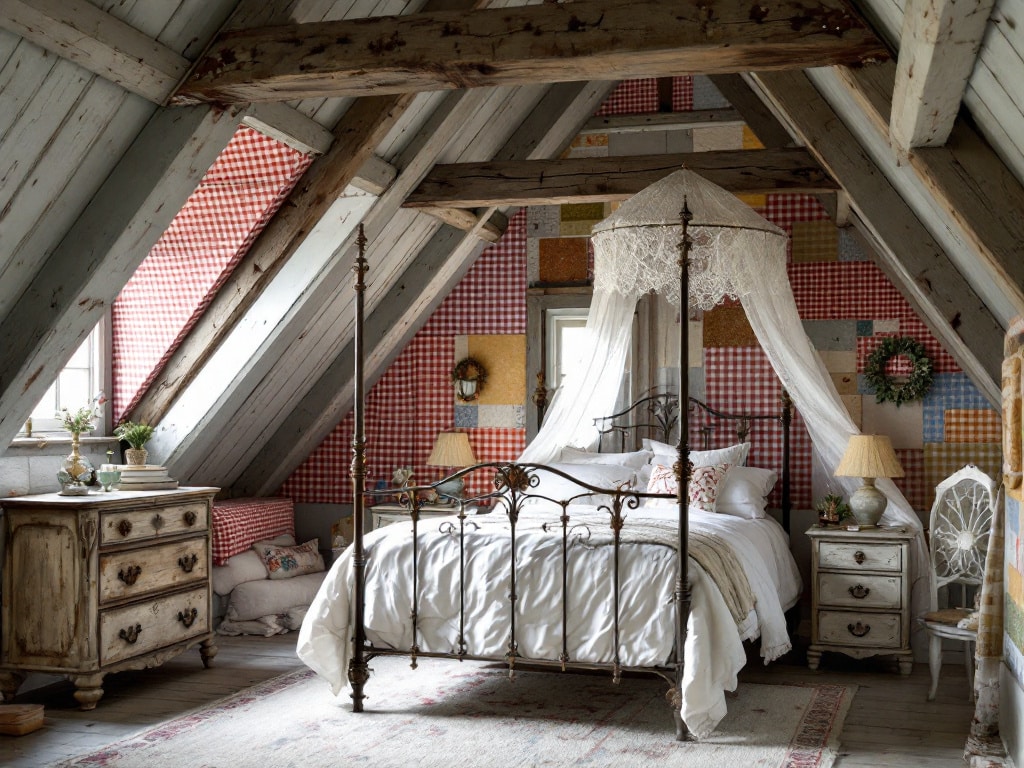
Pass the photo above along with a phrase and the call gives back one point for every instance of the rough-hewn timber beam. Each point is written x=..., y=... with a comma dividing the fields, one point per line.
x=662, y=121
x=363, y=126
x=916, y=263
x=938, y=45
x=756, y=114
x=584, y=40
x=599, y=179
x=965, y=178
x=103, y=44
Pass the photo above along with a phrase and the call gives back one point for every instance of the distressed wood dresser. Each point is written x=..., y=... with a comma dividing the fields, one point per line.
x=102, y=583
x=860, y=583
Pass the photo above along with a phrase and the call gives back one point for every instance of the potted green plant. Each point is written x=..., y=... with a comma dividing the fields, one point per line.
x=832, y=510
x=136, y=435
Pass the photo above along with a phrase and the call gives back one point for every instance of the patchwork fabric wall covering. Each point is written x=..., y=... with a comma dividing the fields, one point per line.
x=182, y=273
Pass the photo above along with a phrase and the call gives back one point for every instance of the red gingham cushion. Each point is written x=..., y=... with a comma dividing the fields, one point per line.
x=239, y=523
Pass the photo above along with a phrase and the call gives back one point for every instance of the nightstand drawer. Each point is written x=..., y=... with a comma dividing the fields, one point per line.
x=855, y=556
x=850, y=628
x=860, y=590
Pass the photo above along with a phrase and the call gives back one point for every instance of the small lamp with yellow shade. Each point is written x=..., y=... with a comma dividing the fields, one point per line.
x=451, y=451
x=868, y=457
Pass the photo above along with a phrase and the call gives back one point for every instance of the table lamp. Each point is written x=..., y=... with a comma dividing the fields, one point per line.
x=868, y=457
x=451, y=451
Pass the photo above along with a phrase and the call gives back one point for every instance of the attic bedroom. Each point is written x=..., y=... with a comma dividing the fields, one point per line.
x=323, y=251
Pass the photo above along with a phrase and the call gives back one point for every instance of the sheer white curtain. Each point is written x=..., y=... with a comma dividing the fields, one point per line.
x=735, y=253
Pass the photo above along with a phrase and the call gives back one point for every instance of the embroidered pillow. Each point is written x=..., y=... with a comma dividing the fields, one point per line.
x=703, y=488
x=662, y=480
x=284, y=562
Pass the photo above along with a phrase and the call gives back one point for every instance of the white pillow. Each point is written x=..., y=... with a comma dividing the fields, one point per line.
x=734, y=455
x=600, y=475
x=255, y=599
x=744, y=491
x=634, y=459
x=243, y=567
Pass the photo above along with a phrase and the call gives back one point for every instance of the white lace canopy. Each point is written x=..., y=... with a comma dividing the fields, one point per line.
x=734, y=253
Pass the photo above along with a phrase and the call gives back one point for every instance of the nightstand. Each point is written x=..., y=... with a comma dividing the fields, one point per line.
x=860, y=583
x=386, y=514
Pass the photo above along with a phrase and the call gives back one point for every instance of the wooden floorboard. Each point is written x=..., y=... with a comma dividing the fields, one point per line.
x=890, y=724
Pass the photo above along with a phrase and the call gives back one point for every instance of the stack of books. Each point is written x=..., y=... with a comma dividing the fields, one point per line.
x=145, y=477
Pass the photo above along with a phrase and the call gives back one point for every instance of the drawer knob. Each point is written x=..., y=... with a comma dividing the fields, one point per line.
x=130, y=574
x=188, y=562
x=860, y=591
x=130, y=634
x=191, y=517
x=124, y=527
x=859, y=557
x=157, y=522
x=858, y=629
x=188, y=618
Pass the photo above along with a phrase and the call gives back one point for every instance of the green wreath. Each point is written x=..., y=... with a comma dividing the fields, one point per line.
x=468, y=370
x=886, y=387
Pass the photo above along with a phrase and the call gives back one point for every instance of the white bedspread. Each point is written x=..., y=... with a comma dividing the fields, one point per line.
x=714, y=650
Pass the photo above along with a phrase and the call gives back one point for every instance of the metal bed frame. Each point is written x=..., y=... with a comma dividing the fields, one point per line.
x=513, y=485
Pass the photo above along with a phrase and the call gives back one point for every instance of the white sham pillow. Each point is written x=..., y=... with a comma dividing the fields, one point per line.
x=634, y=459
x=734, y=455
x=243, y=567
x=744, y=492
x=599, y=475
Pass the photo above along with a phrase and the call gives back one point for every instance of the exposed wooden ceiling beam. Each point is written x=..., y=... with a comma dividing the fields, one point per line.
x=103, y=44
x=938, y=46
x=916, y=263
x=662, y=121
x=756, y=114
x=965, y=178
x=356, y=136
x=599, y=179
x=584, y=40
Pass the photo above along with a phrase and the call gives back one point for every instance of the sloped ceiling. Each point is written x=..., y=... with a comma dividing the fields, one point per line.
x=104, y=134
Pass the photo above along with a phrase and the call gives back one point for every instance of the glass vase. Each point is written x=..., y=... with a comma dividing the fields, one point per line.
x=76, y=470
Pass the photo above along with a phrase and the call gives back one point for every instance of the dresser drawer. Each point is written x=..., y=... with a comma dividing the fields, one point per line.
x=860, y=590
x=139, y=524
x=142, y=627
x=850, y=556
x=153, y=568
x=870, y=630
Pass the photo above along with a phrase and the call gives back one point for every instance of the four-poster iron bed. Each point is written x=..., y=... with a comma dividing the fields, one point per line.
x=569, y=544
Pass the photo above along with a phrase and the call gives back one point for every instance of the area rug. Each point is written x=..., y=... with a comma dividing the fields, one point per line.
x=453, y=715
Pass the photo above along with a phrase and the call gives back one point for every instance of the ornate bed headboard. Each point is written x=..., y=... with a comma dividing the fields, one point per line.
x=656, y=415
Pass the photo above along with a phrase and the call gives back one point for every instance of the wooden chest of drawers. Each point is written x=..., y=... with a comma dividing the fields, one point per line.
x=101, y=583
x=860, y=583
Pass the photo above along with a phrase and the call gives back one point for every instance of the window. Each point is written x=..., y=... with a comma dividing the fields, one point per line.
x=567, y=343
x=81, y=381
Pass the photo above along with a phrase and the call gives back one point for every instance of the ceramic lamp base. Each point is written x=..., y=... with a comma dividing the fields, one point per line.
x=451, y=490
x=867, y=504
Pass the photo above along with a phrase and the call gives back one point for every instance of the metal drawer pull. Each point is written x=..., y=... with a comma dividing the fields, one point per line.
x=191, y=517
x=859, y=630
x=130, y=634
x=130, y=574
x=860, y=591
x=859, y=557
x=188, y=562
x=157, y=522
x=188, y=617
x=124, y=527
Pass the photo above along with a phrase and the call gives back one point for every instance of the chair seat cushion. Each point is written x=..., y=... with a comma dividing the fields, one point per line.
x=950, y=616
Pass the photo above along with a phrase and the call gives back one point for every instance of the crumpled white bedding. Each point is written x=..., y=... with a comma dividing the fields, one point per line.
x=714, y=650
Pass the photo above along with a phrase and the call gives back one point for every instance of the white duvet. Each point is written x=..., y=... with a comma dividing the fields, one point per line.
x=714, y=650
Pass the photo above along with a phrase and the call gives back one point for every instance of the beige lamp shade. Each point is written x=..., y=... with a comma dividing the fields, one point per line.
x=869, y=456
x=451, y=449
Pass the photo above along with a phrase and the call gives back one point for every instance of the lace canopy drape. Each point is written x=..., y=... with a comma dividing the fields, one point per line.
x=734, y=253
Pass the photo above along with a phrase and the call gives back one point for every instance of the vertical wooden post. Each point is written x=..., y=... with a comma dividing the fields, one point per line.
x=683, y=470
x=358, y=671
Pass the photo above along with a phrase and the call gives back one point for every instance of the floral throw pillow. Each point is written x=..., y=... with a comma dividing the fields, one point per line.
x=663, y=480
x=284, y=562
x=703, y=488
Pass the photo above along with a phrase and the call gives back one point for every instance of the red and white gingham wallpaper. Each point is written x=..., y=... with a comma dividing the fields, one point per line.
x=634, y=97
x=182, y=273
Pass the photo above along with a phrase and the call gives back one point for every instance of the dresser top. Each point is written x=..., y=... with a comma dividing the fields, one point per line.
x=104, y=499
x=839, y=533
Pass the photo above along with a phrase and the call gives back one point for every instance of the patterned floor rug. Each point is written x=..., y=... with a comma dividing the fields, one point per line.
x=469, y=715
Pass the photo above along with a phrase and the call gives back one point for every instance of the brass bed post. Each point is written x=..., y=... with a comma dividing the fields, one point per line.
x=682, y=471
x=358, y=671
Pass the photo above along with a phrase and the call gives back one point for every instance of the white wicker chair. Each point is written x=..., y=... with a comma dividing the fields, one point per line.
x=960, y=522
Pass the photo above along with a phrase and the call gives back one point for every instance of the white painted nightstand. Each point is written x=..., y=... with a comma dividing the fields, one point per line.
x=386, y=514
x=860, y=583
